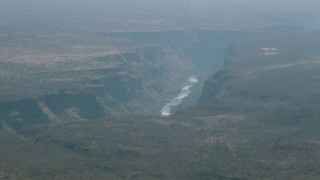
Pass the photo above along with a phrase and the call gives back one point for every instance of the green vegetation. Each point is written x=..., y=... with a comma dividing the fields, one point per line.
x=257, y=118
x=81, y=92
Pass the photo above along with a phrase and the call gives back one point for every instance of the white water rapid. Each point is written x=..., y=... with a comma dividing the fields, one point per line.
x=185, y=91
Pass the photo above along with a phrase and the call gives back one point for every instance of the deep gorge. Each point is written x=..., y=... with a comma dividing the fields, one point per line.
x=137, y=81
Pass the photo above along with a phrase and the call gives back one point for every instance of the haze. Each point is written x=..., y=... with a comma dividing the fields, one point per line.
x=159, y=89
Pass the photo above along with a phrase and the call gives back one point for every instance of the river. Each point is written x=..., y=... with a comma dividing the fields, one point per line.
x=185, y=92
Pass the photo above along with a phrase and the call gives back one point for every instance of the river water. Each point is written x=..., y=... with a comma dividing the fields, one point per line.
x=185, y=91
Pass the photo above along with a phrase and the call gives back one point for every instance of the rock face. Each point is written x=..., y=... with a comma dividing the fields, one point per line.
x=137, y=84
x=136, y=79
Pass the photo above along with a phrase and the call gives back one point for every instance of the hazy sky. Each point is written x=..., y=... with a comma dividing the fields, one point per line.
x=172, y=11
x=311, y=4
